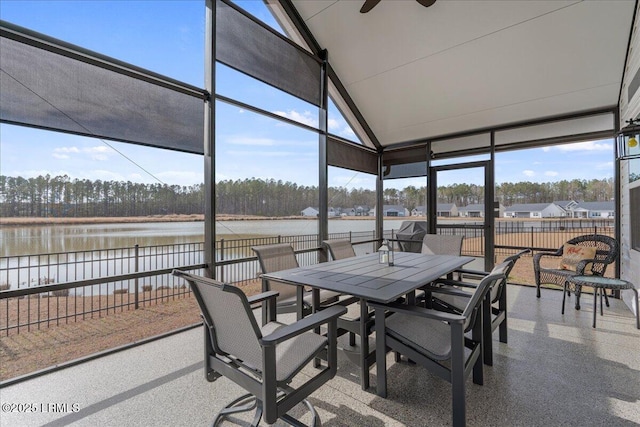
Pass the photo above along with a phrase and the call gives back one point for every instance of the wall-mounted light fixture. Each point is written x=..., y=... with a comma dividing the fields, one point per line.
x=628, y=146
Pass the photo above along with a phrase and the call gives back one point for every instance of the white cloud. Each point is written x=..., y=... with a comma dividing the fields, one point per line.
x=96, y=152
x=305, y=118
x=551, y=173
x=585, y=146
x=66, y=150
x=606, y=166
x=528, y=173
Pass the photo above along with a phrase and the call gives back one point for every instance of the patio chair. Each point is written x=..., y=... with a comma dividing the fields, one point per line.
x=279, y=257
x=264, y=360
x=438, y=244
x=436, y=340
x=495, y=317
x=340, y=248
x=607, y=249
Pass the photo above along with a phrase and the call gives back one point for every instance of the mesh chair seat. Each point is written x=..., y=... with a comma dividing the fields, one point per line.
x=292, y=355
x=432, y=337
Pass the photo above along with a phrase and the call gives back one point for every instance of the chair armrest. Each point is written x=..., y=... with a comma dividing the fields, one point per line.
x=447, y=282
x=413, y=310
x=539, y=255
x=310, y=322
x=448, y=290
x=262, y=297
x=472, y=272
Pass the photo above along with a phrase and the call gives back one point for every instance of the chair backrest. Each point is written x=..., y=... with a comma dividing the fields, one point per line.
x=226, y=312
x=607, y=249
x=274, y=258
x=340, y=248
x=437, y=244
x=492, y=280
x=496, y=291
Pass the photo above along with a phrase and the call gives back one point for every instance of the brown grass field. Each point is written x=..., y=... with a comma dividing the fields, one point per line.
x=34, y=348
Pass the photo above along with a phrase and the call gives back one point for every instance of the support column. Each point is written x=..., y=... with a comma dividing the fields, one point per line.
x=209, y=141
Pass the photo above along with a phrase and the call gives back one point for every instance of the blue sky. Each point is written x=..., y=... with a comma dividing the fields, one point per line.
x=167, y=37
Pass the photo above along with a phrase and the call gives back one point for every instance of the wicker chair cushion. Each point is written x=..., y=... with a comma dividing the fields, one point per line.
x=573, y=254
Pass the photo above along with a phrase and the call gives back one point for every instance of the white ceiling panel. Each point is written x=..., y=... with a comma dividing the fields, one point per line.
x=417, y=73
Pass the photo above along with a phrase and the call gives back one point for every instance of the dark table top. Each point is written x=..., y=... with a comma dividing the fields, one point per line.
x=365, y=277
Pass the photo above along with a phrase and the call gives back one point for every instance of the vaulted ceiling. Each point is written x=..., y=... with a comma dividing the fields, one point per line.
x=417, y=73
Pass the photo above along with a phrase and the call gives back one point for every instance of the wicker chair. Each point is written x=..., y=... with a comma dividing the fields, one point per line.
x=262, y=360
x=607, y=249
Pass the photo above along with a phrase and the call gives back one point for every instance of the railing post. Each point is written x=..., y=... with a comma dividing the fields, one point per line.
x=136, y=291
x=532, y=236
x=221, y=278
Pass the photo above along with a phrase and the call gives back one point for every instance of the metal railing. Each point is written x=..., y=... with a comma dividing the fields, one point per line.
x=49, y=289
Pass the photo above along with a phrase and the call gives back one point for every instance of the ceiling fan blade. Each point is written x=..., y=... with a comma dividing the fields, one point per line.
x=426, y=3
x=368, y=5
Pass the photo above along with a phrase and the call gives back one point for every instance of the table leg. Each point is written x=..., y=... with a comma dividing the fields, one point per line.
x=595, y=305
x=315, y=306
x=564, y=294
x=637, y=308
x=578, y=292
x=364, y=345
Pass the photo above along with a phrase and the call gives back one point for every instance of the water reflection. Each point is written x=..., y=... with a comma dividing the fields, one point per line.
x=26, y=240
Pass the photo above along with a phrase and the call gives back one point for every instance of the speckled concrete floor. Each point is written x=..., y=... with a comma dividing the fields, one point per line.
x=555, y=370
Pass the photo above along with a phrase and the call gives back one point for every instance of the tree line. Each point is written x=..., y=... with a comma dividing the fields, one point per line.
x=61, y=196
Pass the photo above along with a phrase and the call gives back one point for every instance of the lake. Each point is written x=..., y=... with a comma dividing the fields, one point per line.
x=26, y=240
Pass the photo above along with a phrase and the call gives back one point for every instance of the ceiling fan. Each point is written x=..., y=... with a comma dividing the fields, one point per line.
x=370, y=4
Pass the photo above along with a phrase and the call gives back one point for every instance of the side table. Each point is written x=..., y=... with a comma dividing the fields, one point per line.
x=599, y=284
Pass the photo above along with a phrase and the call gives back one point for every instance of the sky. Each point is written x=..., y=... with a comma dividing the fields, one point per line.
x=167, y=37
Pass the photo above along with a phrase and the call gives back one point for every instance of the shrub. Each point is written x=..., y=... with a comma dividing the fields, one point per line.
x=147, y=288
x=5, y=286
x=120, y=291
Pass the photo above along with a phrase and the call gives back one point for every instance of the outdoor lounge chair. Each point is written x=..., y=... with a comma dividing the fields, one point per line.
x=436, y=340
x=495, y=317
x=340, y=248
x=607, y=249
x=262, y=360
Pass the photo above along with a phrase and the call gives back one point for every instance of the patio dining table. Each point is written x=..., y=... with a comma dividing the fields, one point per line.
x=366, y=278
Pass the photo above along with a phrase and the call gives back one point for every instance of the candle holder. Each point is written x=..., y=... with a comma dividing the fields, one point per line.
x=385, y=253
